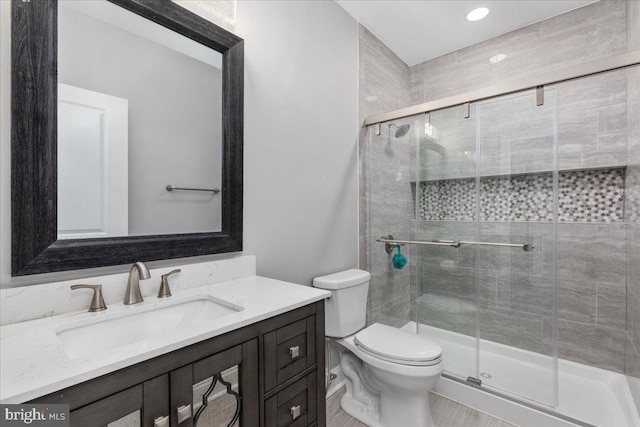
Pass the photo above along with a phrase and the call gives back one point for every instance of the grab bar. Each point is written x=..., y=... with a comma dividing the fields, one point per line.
x=527, y=247
x=173, y=187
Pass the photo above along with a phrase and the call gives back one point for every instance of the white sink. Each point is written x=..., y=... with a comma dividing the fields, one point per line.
x=134, y=324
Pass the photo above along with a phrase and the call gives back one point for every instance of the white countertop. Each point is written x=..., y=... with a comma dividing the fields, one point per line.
x=33, y=362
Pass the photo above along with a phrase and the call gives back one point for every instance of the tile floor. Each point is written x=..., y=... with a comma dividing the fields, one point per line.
x=445, y=413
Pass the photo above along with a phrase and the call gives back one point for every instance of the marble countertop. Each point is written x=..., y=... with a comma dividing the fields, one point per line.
x=33, y=362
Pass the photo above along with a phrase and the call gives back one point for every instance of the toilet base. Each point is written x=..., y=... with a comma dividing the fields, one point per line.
x=360, y=412
x=367, y=415
x=381, y=394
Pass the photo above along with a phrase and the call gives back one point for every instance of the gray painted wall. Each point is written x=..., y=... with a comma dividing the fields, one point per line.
x=301, y=203
x=592, y=133
x=175, y=105
x=300, y=188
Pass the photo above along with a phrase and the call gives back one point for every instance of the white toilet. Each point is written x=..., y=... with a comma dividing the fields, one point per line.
x=388, y=371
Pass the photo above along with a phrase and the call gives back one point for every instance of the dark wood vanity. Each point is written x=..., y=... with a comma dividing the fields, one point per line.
x=271, y=372
x=280, y=379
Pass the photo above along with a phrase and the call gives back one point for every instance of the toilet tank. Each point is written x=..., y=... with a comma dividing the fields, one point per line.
x=346, y=310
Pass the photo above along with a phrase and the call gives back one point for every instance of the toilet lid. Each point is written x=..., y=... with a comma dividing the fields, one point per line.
x=396, y=345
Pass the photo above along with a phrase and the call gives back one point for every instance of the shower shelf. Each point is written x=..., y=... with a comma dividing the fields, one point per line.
x=518, y=174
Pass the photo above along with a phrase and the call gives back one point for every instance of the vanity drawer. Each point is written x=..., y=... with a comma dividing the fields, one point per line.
x=289, y=350
x=295, y=406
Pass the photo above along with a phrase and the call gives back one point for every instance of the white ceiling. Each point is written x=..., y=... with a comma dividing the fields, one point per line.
x=420, y=30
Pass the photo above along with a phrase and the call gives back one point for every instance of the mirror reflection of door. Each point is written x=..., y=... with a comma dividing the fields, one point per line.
x=173, y=86
x=92, y=164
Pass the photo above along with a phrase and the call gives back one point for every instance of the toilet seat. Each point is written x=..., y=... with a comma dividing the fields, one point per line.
x=398, y=346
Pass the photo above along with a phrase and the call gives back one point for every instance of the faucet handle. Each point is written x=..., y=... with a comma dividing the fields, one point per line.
x=97, y=302
x=164, y=291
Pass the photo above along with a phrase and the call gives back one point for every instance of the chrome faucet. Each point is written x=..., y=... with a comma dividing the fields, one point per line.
x=138, y=271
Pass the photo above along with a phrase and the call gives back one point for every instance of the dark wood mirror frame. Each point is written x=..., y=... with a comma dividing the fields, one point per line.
x=34, y=85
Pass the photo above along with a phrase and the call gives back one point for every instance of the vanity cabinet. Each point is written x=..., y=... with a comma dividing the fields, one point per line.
x=148, y=400
x=269, y=373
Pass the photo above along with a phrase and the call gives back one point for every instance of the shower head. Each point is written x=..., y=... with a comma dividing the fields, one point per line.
x=400, y=130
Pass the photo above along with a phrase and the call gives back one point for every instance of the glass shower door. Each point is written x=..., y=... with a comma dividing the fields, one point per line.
x=517, y=204
x=488, y=179
x=388, y=211
x=446, y=210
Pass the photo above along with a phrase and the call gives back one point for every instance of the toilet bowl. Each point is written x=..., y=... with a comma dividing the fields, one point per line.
x=388, y=371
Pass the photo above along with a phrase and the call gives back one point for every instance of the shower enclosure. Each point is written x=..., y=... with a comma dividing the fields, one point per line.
x=473, y=194
x=483, y=197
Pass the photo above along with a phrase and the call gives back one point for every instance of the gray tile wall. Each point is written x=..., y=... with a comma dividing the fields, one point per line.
x=507, y=136
x=591, y=294
x=385, y=173
x=586, y=118
x=515, y=288
x=633, y=25
x=632, y=359
x=632, y=211
x=592, y=122
x=596, y=127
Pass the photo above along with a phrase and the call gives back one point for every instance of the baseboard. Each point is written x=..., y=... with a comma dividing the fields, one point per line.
x=337, y=383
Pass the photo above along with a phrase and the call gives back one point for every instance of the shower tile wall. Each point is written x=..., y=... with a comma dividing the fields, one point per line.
x=385, y=189
x=593, y=120
x=632, y=367
x=508, y=280
x=515, y=140
x=632, y=212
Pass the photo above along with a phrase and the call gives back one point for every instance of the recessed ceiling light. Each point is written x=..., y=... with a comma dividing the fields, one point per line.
x=497, y=58
x=477, y=14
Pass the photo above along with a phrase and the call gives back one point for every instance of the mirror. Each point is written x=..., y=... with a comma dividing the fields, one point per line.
x=125, y=133
x=115, y=102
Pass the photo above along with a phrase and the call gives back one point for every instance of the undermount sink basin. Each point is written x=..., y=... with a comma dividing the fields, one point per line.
x=139, y=324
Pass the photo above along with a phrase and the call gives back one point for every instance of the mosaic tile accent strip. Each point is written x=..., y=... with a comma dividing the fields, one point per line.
x=448, y=200
x=632, y=196
x=517, y=198
x=591, y=196
x=584, y=196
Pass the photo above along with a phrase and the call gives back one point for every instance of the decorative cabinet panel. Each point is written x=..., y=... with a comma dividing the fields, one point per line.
x=236, y=370
x=267, y=374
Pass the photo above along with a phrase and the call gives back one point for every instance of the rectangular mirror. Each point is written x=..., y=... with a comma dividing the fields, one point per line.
x=127, y=129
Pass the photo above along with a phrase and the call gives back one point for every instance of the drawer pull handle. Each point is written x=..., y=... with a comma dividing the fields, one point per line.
x=184, y=413
x=161, y=421
x=295, y=412
x=294, y=351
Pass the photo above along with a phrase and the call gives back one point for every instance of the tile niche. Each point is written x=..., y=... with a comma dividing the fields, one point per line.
x=583, y=196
